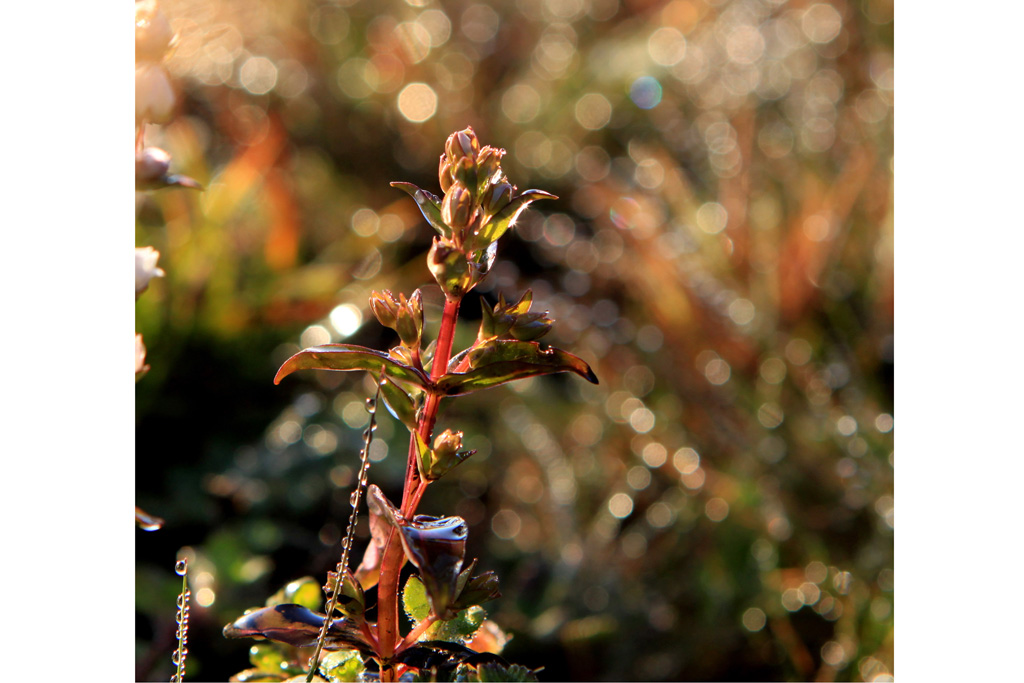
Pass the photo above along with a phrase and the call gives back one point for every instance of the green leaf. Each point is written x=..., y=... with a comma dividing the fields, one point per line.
x=304, y=592
x=499, y=361
x=400, y=404
x=253, y=675
x=343, y=665
x=458, y=629
x=506, y=218
x=351, y=357
x=414, y=599
x=430, y=206
x=268, y=657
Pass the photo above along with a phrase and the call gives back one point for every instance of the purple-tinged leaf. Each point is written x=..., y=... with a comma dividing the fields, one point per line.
x=499, y=361
x=351, y=357
x=298, y=626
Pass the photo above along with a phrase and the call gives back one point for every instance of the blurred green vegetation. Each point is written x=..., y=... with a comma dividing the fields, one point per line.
x=720, y=507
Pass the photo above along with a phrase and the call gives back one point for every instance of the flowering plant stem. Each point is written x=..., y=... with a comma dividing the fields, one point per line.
x=393, y=558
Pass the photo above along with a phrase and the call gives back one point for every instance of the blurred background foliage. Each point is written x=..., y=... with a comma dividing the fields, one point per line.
x=720, y=507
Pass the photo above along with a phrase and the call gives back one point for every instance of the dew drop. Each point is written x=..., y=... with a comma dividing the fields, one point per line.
x=181, y=567
x=175, y=658
x=181, y=601
x=354, y=498
x=371, y=405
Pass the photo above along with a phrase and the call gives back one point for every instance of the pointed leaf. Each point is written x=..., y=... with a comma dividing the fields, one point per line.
x=479, y=589
x=430, y=206
x=506, y=218
x=295, y=625
x=399, y=403
x=350, y=357
x=499, y=361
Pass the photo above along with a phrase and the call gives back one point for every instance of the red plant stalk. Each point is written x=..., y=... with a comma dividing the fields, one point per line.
x=393, y=558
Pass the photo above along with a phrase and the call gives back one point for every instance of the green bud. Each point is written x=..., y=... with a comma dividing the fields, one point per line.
x=450, y=269
x=488, y=167
x=464, y=172
x=496, y=198
x=457, y=208
x=384, y=307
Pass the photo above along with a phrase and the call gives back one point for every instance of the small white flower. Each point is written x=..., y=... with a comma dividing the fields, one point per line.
x=145, y=268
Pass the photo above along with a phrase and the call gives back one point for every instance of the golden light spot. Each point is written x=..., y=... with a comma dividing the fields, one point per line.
x=620, y=505
x=417, y=102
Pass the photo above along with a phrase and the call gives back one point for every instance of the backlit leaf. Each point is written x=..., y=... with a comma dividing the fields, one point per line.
x=499, y=361
x=350, y=357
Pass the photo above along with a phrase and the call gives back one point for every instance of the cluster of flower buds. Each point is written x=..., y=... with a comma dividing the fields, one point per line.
x=404, y=316
x=513, y=321
x=478, y=207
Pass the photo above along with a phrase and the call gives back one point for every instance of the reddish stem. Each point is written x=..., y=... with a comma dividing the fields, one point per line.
x=394, y=557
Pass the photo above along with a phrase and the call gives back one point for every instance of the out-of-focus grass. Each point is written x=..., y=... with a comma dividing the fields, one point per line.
x=721, y=505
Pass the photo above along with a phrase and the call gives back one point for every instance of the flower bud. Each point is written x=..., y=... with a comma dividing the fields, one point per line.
x=446, y=445
x=444, y=173
x=496, y=198
x=457, y=208
x=450, y=269
x=489, y=166
x=154, y=96
x=384, y=307
x=464, y=143
x=153, y=34
x=145, y=268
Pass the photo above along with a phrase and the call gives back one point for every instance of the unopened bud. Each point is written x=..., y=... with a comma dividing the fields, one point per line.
x=447, y=444
x=384, y=307
x=496, y=198
x=464, y=143
x=154, y=96
x=489, y=165
x=449, y=267
x=444, y=173
x=457, y=208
